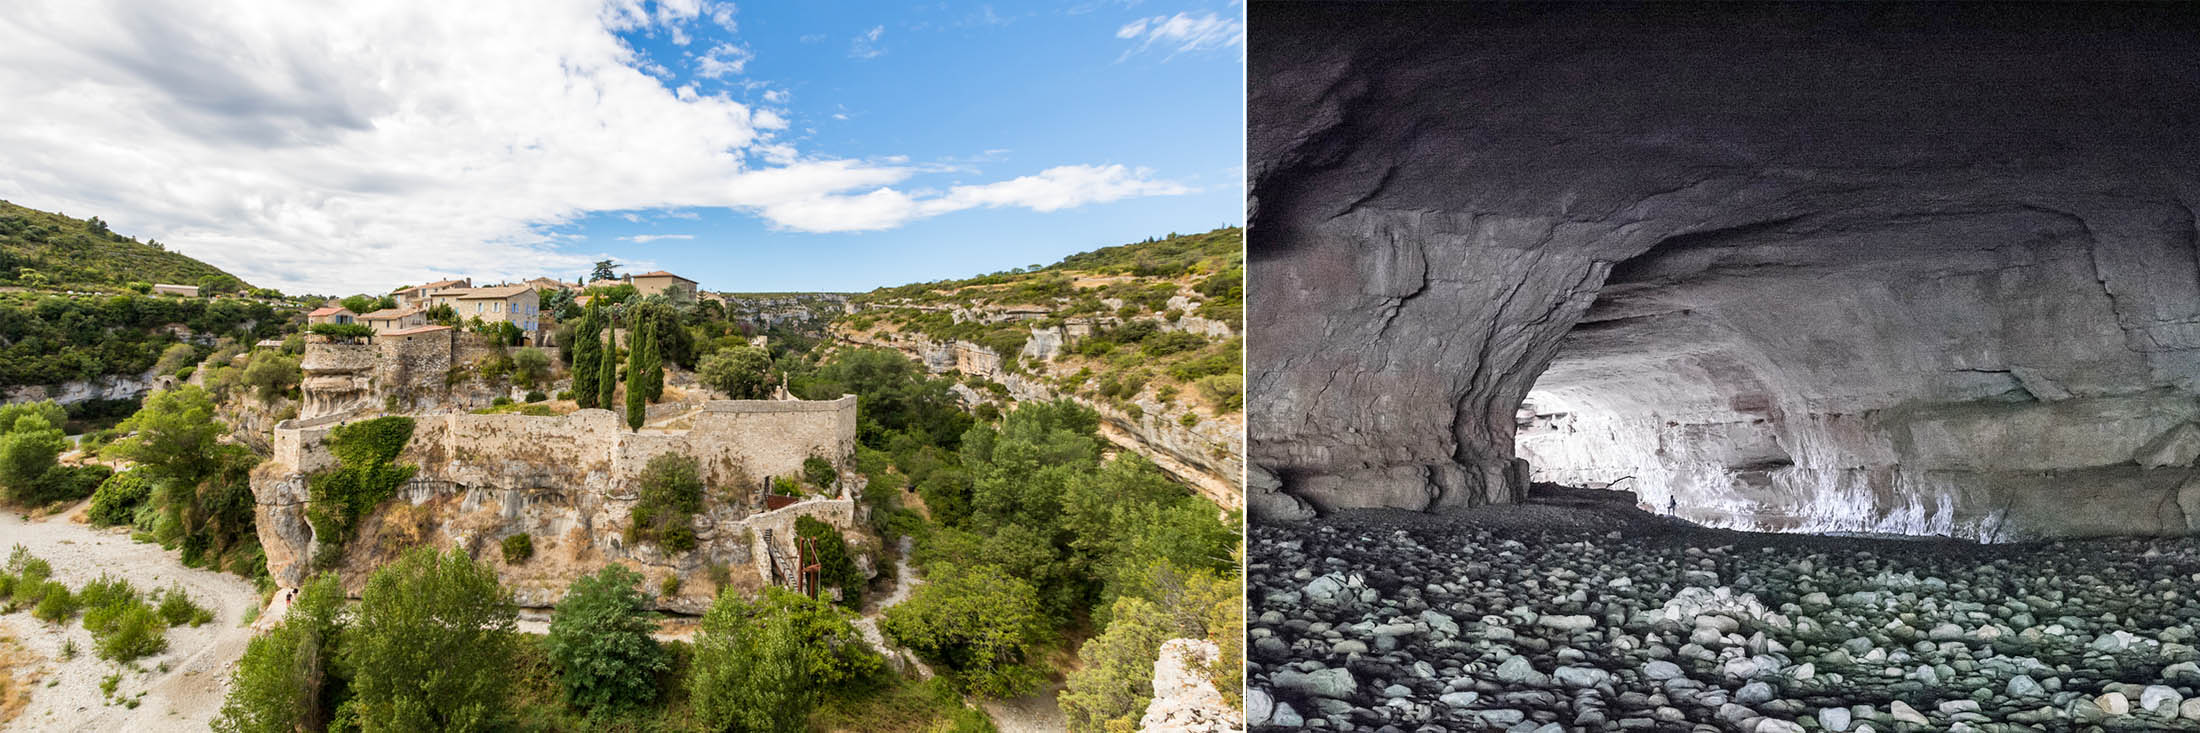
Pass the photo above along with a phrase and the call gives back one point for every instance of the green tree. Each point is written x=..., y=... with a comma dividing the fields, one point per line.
x=763, y=665
x=118, y=498
x=431, y=646
x=638, y=358
x=742, y=372
x=604, y=270
x=600, y=641
x=607, y=372
x=173, y=435
x=288, y=680
x=530, y=366
x=28, y=452
x=982, y=623
x=271, y=373
x=586, y=359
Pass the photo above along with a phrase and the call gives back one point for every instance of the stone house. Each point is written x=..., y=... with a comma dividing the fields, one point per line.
x=335, y=314
x=547, y=283
x=417, y=295
x=673, y=287
x=395, y=319
x=517, y=304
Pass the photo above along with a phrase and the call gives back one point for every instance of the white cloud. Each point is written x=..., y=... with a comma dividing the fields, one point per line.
x=866, y=44
x=1182, y=33
x=647, y=238
x=348, y=148
x=723, y=59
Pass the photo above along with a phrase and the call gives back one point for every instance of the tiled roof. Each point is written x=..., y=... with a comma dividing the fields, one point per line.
x=498, y=292
x=327, y=311
x=389, y=314
x=432, y=286
x=662, y=273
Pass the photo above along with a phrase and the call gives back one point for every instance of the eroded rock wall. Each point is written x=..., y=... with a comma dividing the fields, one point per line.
x=1932, y=270
x=569, y=482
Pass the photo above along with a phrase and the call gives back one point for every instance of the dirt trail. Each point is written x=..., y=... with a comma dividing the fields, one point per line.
x=183, y=696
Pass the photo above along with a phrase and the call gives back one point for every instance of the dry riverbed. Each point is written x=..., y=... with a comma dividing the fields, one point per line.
x=179, y=689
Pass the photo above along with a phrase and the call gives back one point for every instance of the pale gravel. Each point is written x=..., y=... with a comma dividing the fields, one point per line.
x=184, y=698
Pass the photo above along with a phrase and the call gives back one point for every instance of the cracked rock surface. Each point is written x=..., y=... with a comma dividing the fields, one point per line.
x=1542, y=618
x=1791, y=267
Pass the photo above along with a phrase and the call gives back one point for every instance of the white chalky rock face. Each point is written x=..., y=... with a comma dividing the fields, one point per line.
x=1183, y=698
x=1808, y=319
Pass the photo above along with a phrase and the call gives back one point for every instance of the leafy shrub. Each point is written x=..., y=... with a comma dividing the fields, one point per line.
x=537, y=396
x=135, y=632
x=500, y=401
x=818, y=471
x=345, y=331
x=668, y=587
x=763, y=665
x=55, y=604
x=982, y=624
x=117, y=499
x=1226, y=391
x=518, y=548
x=177, y=608
x=670, y=496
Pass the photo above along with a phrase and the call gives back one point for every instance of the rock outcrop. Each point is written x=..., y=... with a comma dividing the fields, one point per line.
x=1184, y=700
x=1762, y=265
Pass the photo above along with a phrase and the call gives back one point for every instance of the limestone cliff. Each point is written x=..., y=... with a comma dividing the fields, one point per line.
x=1762, y=272
x=569, y=482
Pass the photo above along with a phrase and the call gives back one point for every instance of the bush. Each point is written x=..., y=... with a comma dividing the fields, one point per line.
x=533, y=397
x=819, y=472
x=1226, y=391
x=741, y=372
x=518, y=547
x=668, y=587
x=344, y=331
x=671, y=494
x=177, y=609
x=135, y=632
x=500, y=401
x=600, y=642
x=530, y=366
x=117, y=499
x=55, y=605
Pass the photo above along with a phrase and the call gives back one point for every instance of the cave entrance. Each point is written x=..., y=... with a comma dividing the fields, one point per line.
x=1854, y=373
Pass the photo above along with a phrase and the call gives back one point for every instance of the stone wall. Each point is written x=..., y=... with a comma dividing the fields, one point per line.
x=568, y=482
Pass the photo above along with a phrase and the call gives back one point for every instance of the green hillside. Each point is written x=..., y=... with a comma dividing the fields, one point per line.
x=43, y=249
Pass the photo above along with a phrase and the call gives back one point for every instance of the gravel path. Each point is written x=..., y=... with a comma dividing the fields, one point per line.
x=182, y=688
x=1548, y=619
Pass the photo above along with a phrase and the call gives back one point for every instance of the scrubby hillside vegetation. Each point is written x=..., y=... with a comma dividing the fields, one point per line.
x=43, y=249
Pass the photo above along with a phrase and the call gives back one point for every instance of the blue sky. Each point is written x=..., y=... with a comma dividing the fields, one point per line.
x=984, y=91
x=789, y=146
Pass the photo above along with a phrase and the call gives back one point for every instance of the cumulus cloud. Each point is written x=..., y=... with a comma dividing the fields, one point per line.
x=722, y=59
x=1181, y=33
x=335, y=149
x=647, y=238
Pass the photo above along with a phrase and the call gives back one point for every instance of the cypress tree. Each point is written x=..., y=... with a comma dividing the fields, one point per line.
x=637, y=380
x=607, y=370
x=586, y=360
x=653, y=363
